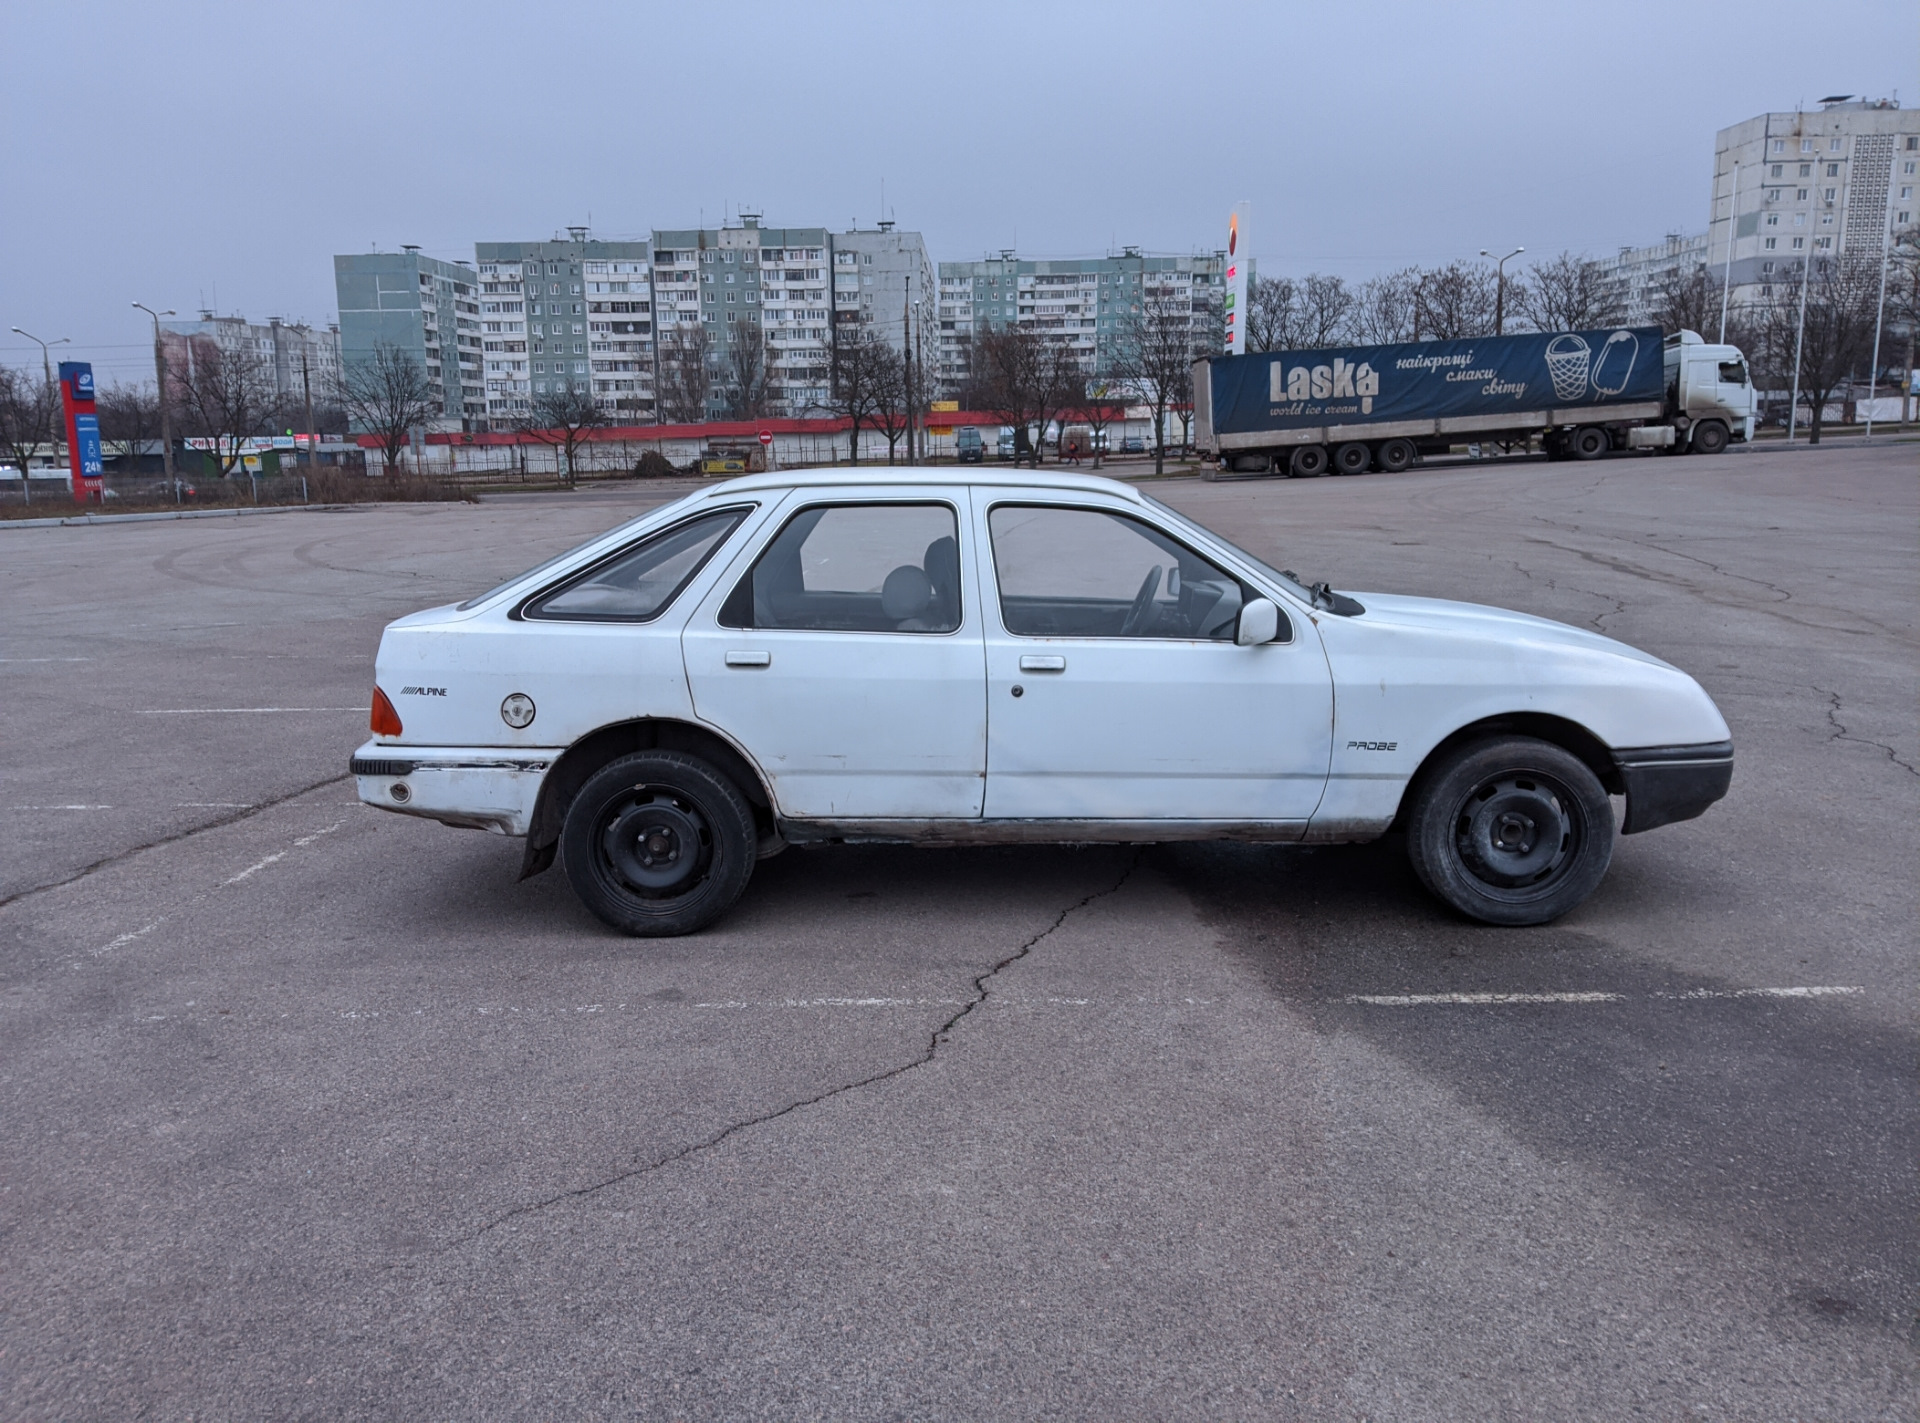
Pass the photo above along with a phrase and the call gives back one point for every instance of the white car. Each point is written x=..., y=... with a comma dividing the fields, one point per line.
x=913, y=655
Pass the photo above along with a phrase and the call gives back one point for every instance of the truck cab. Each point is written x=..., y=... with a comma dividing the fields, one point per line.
x=1709, y=392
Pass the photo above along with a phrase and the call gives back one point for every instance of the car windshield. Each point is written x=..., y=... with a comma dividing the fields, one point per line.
x=559, y=558
x=1288, y=581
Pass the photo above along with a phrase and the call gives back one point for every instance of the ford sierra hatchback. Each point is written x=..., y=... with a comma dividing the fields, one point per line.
x=910, y=655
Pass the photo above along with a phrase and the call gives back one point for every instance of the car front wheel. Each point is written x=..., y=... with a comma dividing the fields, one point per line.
x=1511, y=831
x=658, y=843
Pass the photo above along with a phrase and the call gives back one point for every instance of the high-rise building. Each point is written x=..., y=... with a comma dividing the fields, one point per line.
x=1791, y=186
x=566, y=315
x=424, y=307
x=883, y=283
x=304, y=359
x=1085, y=301
x=1637, y=277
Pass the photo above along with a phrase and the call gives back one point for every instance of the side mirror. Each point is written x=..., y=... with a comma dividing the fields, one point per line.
x=1259, y=622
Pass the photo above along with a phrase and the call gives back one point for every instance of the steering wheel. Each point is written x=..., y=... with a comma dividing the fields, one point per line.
x=1142, y=604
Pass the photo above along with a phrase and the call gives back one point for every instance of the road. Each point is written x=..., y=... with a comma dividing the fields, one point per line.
x=313, y=1112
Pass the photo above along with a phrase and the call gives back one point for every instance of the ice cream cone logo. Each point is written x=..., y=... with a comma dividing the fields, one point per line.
x=1567, y=362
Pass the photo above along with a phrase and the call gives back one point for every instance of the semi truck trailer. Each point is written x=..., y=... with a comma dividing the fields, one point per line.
x=1350, y=409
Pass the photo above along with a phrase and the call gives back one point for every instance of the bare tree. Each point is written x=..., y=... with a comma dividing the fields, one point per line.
x=1687, y=299
x=1012, y=373
x=1154, y=355
x=389, y=396
x=685, y=380
x=29, y=413
x=747, y=379
x=1833, y=338
x=1097, y=411
x=129, y=419
x=863, y=373
x=891, y=395
x=1385, y=309
x=1565, y=293
x=562, y=417
x=1288, y=315
x=1903, y=302
x=228, y=395
x=1455, y=302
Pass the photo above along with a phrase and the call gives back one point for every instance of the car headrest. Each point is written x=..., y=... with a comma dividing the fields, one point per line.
x=907, y=593
x=942, y=562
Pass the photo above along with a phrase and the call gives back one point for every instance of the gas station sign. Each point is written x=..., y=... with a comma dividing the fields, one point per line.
x=84, y=460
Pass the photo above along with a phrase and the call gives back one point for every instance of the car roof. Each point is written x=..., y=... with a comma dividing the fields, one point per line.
x=871, y=477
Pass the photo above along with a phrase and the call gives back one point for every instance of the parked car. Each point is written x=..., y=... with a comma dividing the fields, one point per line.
x=1133, y=445
x=812, y=656
x=968, y=447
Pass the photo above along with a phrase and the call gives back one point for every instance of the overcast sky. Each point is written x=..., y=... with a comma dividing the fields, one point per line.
x=182, y=154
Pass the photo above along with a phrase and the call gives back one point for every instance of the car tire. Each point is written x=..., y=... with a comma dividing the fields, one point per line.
x=658, y=843
x=1709, y=438
x=1308, y=462
x=1512, y=831
x=1589, y=442
x=1396, y=455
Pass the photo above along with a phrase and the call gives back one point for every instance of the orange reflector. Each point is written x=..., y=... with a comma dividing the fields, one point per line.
x=385, y=720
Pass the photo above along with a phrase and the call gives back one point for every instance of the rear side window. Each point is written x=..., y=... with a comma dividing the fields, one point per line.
x=855, y=568
x=638, y=584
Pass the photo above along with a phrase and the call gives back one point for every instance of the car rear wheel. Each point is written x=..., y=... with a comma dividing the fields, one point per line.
x=1396, y=455
x=658, y=843
x=1308, y=461
x=1511, y=831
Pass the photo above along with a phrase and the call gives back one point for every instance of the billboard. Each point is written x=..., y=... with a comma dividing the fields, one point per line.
x=83, y=429
x=1234, y=302
x=1428, y=380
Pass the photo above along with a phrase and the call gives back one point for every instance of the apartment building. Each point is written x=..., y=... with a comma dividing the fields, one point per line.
x=1788, y=187
x=302, y=358
x=1635, y=277
x=567, y=315
x=423, y=306
x=884, y=283
x=1084, y=301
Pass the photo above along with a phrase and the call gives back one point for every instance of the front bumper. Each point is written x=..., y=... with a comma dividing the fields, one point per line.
x=1669, y=783
x=474, y=787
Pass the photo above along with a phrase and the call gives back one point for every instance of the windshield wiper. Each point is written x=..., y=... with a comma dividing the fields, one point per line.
x=1326, y=600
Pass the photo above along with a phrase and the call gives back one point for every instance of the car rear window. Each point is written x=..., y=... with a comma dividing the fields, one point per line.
x=638, y=583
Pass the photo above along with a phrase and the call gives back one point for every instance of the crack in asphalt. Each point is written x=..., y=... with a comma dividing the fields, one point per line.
x=940, y=1036
x=1840, y=732
x=216, y=823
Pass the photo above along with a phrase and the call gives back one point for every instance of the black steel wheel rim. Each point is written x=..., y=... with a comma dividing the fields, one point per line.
x=655, y=842
x=1517, y=832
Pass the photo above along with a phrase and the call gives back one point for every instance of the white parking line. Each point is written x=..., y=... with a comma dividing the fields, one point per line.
x=1423, y=1000
x=59, y=807
x=126, y=939
x=279, y=855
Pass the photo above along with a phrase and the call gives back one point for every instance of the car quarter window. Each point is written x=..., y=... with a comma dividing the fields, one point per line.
x=638, y=583
x=1090, y=573
x=855, y=568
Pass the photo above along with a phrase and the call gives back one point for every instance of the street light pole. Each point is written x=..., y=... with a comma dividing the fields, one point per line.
x=166, y=407
x=1733, y=230
x=46, y=373
x=1799, y=337
x=1880, y=310
x=1500, y=289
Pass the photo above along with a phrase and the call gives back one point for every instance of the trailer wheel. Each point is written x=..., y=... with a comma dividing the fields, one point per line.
x=1396, y=455
x=1589, y=442
x=1308, y=462
x=1352, y=458
x=1709, y=438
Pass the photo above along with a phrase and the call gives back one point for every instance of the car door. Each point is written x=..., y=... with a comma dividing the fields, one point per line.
x=843, y=652
x=1115, y=690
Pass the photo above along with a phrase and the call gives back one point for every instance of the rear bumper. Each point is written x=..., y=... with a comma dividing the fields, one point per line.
x=475, y=787
x=1669, y=783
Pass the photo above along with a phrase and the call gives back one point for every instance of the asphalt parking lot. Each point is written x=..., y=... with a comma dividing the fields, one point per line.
x=313, y=1112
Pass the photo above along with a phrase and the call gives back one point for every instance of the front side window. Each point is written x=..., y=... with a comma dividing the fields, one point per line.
x=638, y=584
x=1089, y=573
x=855, y=568
x=1733, y=373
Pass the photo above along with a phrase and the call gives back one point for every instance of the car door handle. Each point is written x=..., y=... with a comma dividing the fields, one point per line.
x=1043, y=664
x=749, y=659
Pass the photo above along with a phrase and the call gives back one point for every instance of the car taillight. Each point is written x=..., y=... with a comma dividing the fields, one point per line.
x=385, y=720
